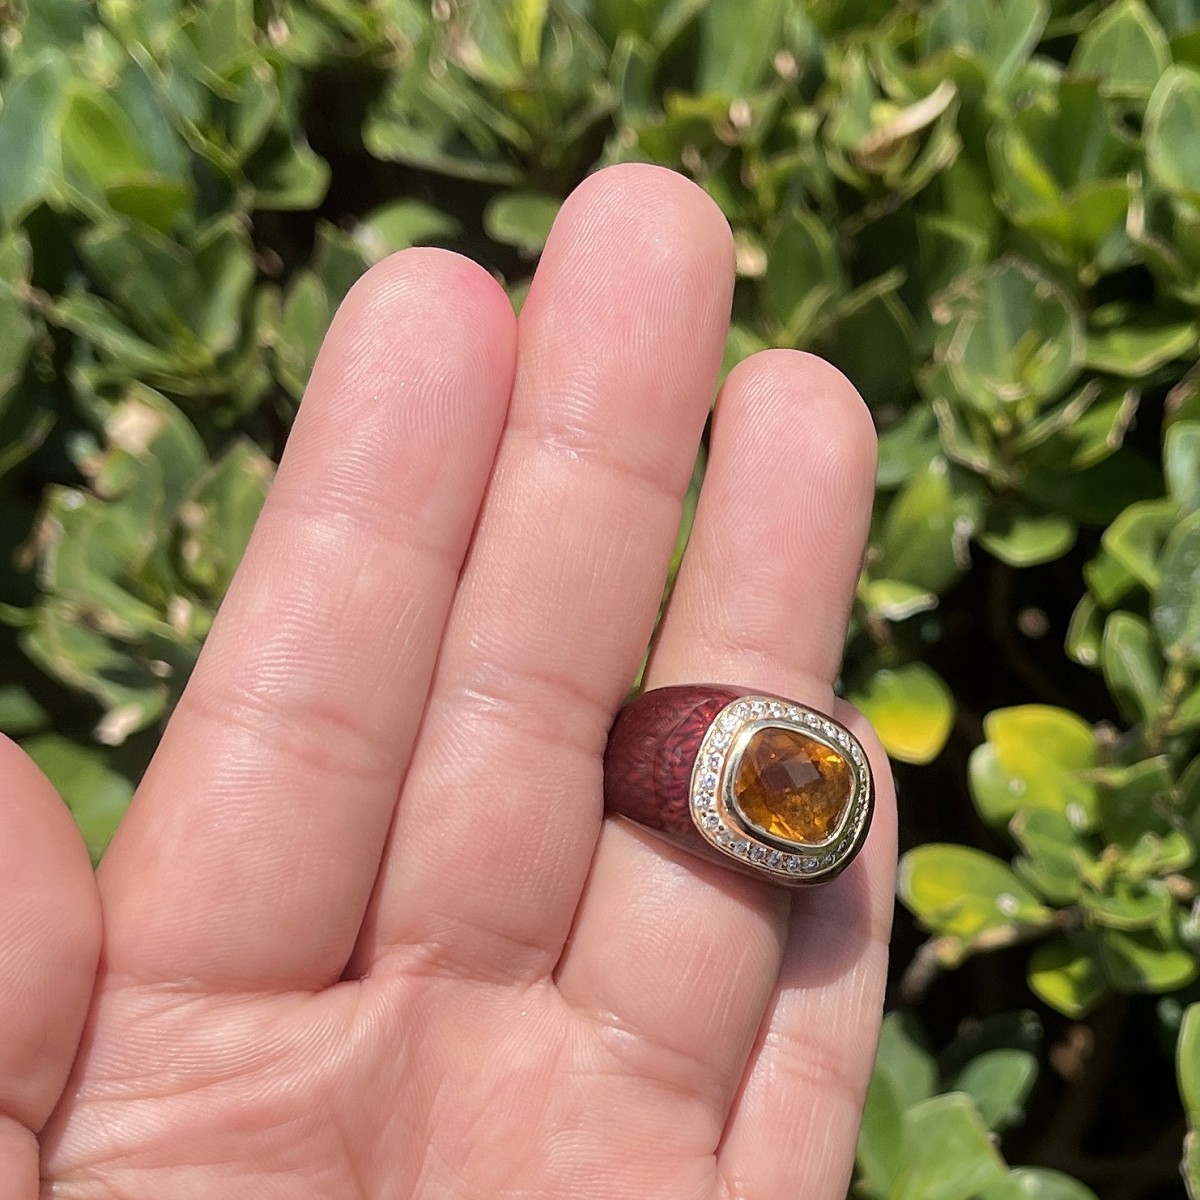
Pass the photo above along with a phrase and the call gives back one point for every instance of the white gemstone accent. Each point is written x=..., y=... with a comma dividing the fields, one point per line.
x=708, y=781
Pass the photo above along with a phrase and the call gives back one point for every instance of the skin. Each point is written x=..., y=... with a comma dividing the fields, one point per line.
x=365, y=931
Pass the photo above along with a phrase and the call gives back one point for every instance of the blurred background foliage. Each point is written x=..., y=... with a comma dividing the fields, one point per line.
x=987, y=213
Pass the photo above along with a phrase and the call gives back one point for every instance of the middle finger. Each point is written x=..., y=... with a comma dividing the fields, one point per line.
x=618, y=348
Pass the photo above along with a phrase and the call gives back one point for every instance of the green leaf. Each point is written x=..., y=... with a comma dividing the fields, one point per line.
x=1066, y=973
x=99, y=141
x=880, y=1138
x=803, y=274
x=1053, y=853
x=30, y=135
x=1132, y=664
x=1128, y=906
x=904, y=1061
x=1133, y=351
x=960, y=892
x=948, y=1152
x=101, y=324
x=96, y=795
x=1036, y=1183
x=907, y=446
x=737, y=43
x=304, y=319
x=1146, y=961
x=1024, y=538
x=1000, y=36
x=57, y=23
x=1187, y=1063
x=1158, y=854
x=520, y=219
x=152, y=200
x=873, y=345
x=895, y=601
x=401, y=224
x=1109, y=580
x=1125, y=48
x=1190, y=1166
x=20, y=713
x=1062, y=171
x=999, y=1081
x=924, y=533
x=1181, y=464
x=1176, y=607
x=1085, y=631
x=1135, y=800
x=1173, y=116
x=911, y=709
x=219, y=517
x=1035, y=757
x=1136, y=539
x=1010, y=337
x=14, y=320
x=289, y=176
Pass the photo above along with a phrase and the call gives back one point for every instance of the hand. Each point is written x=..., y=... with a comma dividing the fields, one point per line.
x=366, y=933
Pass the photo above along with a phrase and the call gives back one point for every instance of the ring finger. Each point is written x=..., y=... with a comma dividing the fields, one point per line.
x=761, y=602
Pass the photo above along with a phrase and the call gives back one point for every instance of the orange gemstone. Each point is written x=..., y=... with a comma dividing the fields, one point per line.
x=792, y=786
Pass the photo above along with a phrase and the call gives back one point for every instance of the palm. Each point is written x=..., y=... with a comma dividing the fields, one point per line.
x=365, y=931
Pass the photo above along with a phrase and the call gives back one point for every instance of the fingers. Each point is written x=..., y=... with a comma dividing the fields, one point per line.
x=249, y=853
x=620, y=342
x=49, y=945
x=761, y=602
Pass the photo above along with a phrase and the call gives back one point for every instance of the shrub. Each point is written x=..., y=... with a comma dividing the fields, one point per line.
x=988, y=214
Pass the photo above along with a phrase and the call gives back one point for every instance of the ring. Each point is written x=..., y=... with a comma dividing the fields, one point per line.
x=759, y=783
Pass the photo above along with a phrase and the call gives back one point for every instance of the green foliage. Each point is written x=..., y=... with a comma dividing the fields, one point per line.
x=988, y=214
x=930, y=1122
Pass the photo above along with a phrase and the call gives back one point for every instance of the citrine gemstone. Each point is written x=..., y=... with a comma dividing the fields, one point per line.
x=792, y=786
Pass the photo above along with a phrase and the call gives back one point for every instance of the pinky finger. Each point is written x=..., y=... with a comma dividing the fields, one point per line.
x=794, y=1126
x=49, y=947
